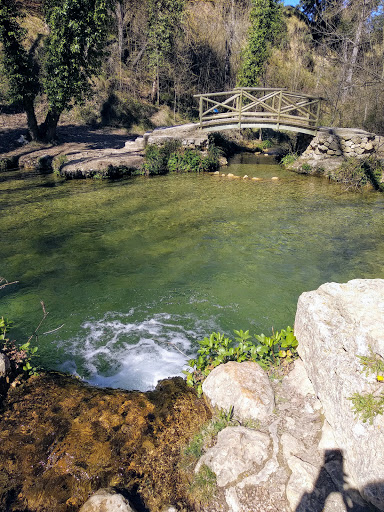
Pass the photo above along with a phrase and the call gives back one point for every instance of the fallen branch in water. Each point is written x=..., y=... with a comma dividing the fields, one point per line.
x=4, y=283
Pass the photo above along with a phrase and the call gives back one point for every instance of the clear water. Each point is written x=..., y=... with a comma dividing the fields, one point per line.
x=139, y=270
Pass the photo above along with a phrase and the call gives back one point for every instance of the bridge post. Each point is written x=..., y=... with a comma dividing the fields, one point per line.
x=279, y=111
x=240, y=107
x=318, y=113
x=201, y=112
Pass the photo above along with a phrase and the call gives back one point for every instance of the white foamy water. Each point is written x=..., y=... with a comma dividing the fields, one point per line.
x=118, y=352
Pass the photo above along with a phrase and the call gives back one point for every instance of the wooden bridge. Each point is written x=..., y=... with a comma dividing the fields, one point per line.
x=259, y=107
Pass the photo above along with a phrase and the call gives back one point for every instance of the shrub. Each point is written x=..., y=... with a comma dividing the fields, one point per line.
x=356, y=173
x=58, y=163
x=20, y=357
x=268, y=351
x=289, y=159
x=172, y=158
x=368, y=405
x=188, y=160
x=306, y=167
x=156, y=157
x=266, y=144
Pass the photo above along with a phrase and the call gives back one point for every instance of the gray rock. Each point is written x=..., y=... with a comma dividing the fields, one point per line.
x=298, y=379
x=238, y=450
x=334, y=325
x=5, y=365
x=243, y=386
x=106, y=500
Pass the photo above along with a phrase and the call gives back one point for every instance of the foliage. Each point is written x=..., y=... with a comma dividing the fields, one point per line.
x=73, y=52
x=203, y=485
x=171, y=157
x=268, y=351
x=204, y=439
x=266, y=23
x=372, y=364
x=368, y=405
x=306, y=167
x=165, y=18
x=22, y=356
x=356, y=173
x=289, y=159
x=266, y=144
x=156, y=157
x=18, y=64
x=58, y=163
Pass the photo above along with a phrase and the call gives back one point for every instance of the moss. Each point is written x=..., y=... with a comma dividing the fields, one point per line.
x=61, y=440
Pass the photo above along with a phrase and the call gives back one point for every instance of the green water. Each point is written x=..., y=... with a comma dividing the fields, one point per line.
x=139, y=268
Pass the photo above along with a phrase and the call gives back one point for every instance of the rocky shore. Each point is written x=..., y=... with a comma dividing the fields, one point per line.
x=291, y=444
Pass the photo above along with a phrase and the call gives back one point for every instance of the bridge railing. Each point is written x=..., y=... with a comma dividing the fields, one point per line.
x=264, y=107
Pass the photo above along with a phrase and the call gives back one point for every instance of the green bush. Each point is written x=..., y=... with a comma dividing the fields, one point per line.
x=356, y=173
x=171, y=157
x=266, y=144
x=268, y=351
x=188, y=160
x=22, y=356
x=157, y=157
x=289, y=159
x=368, y=405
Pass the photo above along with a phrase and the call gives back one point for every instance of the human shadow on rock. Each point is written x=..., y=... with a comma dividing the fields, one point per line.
x=333, y=480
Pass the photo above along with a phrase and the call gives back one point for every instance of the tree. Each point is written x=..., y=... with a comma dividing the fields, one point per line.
x=73, y=53
x=266, y=21
x=18, y=64
x=165, y=23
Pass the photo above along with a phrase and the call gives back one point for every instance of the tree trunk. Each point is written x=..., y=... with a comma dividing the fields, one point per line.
x=355, y=50
x=32, y=121
x=48, y=128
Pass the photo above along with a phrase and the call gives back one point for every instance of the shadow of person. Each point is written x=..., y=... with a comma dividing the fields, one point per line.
x=331, y=488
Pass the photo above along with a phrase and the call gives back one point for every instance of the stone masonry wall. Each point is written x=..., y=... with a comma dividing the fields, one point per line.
x=341, y=142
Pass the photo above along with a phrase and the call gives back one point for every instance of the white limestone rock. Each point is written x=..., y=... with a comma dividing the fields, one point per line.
x=334, y=325
x=298, y=379
x=106, y=500
x=243, y=386
x=238, y=450
x=5, y=365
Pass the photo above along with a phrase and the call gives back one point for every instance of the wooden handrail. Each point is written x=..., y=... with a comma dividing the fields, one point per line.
x=256, y=106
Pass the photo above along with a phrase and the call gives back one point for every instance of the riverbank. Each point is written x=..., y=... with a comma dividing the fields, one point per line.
x=289, y=441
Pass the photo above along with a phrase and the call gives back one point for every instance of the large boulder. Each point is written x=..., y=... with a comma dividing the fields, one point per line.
x=238, y=450
x=245, y=387
x=334, y=325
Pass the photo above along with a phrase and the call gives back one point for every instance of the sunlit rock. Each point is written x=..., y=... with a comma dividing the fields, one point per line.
x=334, y=325
x=106, y=500
x=238, y=449
x=245, y=387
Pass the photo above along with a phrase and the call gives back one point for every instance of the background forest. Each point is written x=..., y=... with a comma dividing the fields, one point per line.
x=159, y=53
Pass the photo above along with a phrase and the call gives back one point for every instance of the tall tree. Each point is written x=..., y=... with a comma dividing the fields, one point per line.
x=18, y=64
x=73, y=52
x=266, y=22
x=165, y=24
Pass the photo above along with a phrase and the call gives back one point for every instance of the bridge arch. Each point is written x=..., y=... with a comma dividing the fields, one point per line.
x=259, y=107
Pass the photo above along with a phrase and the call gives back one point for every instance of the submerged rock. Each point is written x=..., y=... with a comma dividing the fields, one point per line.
x=62, y=440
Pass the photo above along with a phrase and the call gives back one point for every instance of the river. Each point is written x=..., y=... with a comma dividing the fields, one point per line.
x=138, y=270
